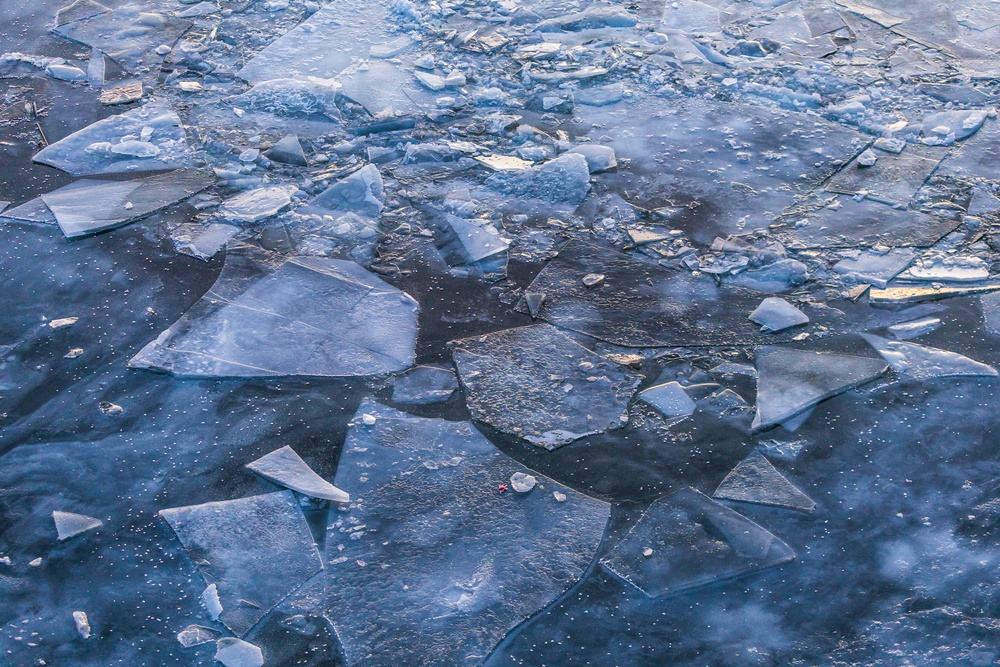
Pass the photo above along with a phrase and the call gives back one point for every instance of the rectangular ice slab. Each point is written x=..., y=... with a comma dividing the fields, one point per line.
x=268, y=316
x=433, y=565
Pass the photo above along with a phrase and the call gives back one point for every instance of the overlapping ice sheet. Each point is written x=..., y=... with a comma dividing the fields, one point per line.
x=893, y=179
x=640, y=304
x=91, y=149
x=433, y=565
x=268, y=316
x=692, y=541
x=383, y=87
x=539, y=384
x=423, y=385
x=919, y=362
x=255, y=550
x=791, y=381
x=90, y=205
x=755, y=480
x=285, y=467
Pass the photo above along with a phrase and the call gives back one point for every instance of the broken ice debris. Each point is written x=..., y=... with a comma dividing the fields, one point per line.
x=232, y=652
x=285, y=467
x=89, y=206
x=563, y=180
x=423, y=385
x=82, y=623
x=755, y=480
x=791, y=381
x=946, y=127
x=875, y=268
x=255, y=205
x=361, y=192
x=431, y=558
x=125, y=93
x=670, y=399
x=112, y=145
x=938, y=266
x=479, y=243
x=522, y=482
x=919, y=362
x=196, y=635
x=288, y=150
x=904, y=296
x=775, y=314
x=914, y=328
x=271, y=316
x=695, y=542
x=257, y=549
x=537, y=383
x=69, y=525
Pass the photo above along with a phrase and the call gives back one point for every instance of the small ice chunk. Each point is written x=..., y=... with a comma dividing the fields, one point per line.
x=478, y=242
x=889, y=145
x=559, y=496
x=423, y=385
x=432, y=81
x=362, y=192
x=69, y=524
x=196, y=635
x=867, y=158
x=914, y=328
x=522, y=482
x=82, y=623
x=233, y=652
x=73, y=353
x=534, y=301
x=110, y=409
x=210, y=600
x=919, y=362
x=66, y=72
x=875, y=268
x=774, y=314
x=125, y=93
x=285, y=467
x=255, y=205
x=63, y=322
x=599, y=158
x=755, y=480
x=287, y=151
x=670, y=399
x=593, y=279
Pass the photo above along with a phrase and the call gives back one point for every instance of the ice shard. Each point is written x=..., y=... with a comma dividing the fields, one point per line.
x=669, y=398
x=256, y=550
x=539, y=384
x=271, y=316
x=756, y=481
x=69, y=524
x=686, y=540
x=288, y=150
x=775, y=314
x=423, y=385
x=919, y=362
x=433, y=565
x=286, y=468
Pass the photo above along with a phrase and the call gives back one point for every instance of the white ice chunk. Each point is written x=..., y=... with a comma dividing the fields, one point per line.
x=210, y=600
x=919, y=362
x=669, y=398
x=82, y=623
x=255, y=205
x=232, y=652
x=285, y=467
x=69, y=524
x=196, y=635
x=775, y=314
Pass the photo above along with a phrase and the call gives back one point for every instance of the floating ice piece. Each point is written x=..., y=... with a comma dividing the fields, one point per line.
x=990, y=304
x=919, y=362
x=63, y=322
x=82, y=623
x=293, y=96
x=423, y=385
x=70, y=525
x=522, y=482
x=565, y=179
x=210, y=600
x=89, y=206
x=955, y=124
x=285, y=467
x=786, y=450
x=361, y=192
x=791, y=381
x=128, y=34
x=431, y=557
x=196, y=635
x=599, y=158
x=66, y=72
x=253, y=206
x=775, y=314
x=207, y=241
x=267, y=316
x=902, y=296
x=125, y=93
x=539, y=384
x=256, y=549
x=478, y=242
x=755, y=480
x=914, y=328
x=232, y=652
x=33, y=210
x=670, y=399
x=695, y=542
x=875, y=268
x=943, y=267
x=71, y=155
x=288, y=150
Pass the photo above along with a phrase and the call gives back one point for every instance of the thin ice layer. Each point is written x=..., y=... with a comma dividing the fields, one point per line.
x=255, y=550
x=893, y=179
x=919, y=362
x=285, y=467
x=90, y=205
x=432, y=565
x=423, y=385
x=755, y=480
x=692, y=541
x=539, y=384
x=791, y=381
x=69, y=524
x=92, y=150
x=268, y=316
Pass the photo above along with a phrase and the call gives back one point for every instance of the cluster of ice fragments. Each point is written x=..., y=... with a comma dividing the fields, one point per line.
x=702, y=211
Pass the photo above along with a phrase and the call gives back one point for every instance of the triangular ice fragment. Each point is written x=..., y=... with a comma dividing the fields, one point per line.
x=775, y=314
x=285, y=467
x=756, y=481
x=919, y=362
x=69, y=525
x=287, y=151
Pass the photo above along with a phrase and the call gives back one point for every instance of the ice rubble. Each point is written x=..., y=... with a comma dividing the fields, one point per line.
x=432, y=565
x=285, y=467
x=755, y=480
x=271, y=316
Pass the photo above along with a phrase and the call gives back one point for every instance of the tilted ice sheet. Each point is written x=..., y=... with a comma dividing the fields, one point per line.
x=422, y=385
x=91, y=149
x=539, y=384
x=268, y=316
x=433, y=565
x=255, y=550
x=919, y=362
x=687, y=540
x=285, y=467
x=755, y=480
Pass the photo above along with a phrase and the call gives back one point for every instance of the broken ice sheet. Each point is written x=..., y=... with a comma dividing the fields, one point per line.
x=893, y=180
x=97, y=148
x=285, y=467
x=562, y=180
x=33, y=210
x=775, y=314
x=891, y=297
x=875, y=268
x=756, y=481
x=539, y=384
x=252, y=206
x=271, y=316
x=432, y=565
x=90, y=205
x=384, y=88
x=791, y=381
x=423, y=385
x=692, y=541
x=919, y=362
x=256, y=551
x=362, y=192
x=914, y=328
x=69, y=524
x=669, y=398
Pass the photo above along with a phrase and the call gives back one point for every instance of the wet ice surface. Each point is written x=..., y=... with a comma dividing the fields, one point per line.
x=642, y=236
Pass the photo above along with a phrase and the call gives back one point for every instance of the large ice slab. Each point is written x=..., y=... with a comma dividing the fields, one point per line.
x=433, y=565
x=539, y=384
x=791, y=381
x=919, y=362
x=255, y=550
x=755, y=480
x=149, y=138
x=285, y=467
x=686, y=540
x=271, y=316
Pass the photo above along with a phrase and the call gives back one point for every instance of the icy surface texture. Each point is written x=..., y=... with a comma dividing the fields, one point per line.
x=755, y=480
x=302, y=316
x=537, y=383
x=433, y=565
x=686, y=540
x=255, y=550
